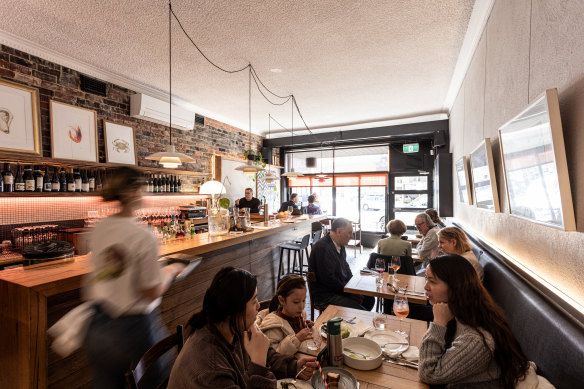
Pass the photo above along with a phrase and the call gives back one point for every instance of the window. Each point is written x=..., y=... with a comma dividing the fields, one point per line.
x=410, y=197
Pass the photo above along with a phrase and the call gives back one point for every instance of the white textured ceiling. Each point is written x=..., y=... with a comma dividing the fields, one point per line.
x=346, y=61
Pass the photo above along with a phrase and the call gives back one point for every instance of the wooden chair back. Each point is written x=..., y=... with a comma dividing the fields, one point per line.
x=311, y=278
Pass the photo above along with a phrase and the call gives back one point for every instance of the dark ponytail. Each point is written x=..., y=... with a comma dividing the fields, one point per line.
x=285, y=287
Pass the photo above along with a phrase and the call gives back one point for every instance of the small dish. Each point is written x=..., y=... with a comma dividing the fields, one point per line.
x=346, y=381
x=361, y=353
x=298, y=383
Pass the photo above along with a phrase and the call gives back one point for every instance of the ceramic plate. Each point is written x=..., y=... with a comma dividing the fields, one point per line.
x=389, y=341
x=300, y=384
x=346, y=381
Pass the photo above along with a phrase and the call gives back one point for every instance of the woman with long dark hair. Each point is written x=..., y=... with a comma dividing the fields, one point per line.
x=227, y=350
x=469, y=344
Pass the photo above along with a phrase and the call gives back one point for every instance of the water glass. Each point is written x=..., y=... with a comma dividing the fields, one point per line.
x=316, y=341
x=380, y=321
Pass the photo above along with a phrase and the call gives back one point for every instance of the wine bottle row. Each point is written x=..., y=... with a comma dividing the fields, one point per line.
x=160, y=183
x=52, y=180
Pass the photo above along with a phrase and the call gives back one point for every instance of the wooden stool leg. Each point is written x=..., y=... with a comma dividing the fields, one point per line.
x=281, y=263
x=301, y=255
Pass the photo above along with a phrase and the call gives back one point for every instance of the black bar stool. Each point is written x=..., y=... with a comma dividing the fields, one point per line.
x=297, y=248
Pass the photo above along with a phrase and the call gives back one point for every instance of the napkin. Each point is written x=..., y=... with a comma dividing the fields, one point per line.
x=360, y=327
x=412, y=354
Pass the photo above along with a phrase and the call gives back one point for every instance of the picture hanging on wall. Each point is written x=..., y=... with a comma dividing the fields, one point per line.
x=535, y=165
x=73, y=132
x=464, y=188
x=483, y=177
x=19, y=119
x=119, y=143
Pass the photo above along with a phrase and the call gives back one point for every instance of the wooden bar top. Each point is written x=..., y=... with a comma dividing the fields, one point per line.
x=48, y=275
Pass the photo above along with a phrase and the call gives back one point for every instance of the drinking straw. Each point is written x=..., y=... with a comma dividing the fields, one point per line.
x=405, y=289
x=322, y=375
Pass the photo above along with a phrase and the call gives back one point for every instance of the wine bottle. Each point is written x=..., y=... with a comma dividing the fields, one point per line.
x=29, y=181
x=70, y=181
x=174, y=184
x=77, y=178
x=38, y=179
x=156, y=184
x=47, y=187
x=8, y=178
x=98, y=184
x=1, y=183
x=19, y=185
x=63, y=181
x=179, y=186
x=151, y=183
x=55, y=184
x=84, y=181
x=91, y=181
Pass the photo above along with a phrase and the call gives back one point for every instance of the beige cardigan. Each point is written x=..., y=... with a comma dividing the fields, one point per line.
x=279, y=331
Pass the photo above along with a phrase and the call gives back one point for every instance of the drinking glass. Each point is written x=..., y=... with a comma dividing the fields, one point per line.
x=380, y=321
x=380, y=267
x=316, y=341
x=401, y=309
x=395, y=265
x=290, y=210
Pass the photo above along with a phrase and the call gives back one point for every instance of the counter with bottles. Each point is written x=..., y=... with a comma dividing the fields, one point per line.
x=34, y=298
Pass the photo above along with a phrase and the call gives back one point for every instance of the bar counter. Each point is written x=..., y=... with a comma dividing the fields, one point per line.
x=33, y=298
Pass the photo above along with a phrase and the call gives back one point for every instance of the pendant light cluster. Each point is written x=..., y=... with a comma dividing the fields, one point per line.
x=269, y=176
x=292, y=173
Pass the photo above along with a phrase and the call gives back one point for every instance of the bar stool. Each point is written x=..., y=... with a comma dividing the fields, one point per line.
x=297, y=248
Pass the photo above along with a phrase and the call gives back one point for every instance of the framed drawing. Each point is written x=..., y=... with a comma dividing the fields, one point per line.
x=20, y=129
x=119, y=143
x=483, y=177
x=73, y=132
x=535, y=165
x=464, y=188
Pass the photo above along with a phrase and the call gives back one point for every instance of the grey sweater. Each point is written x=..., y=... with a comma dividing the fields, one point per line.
x=467, y=363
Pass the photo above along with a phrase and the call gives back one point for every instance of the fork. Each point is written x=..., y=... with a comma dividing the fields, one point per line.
x=351, y=320
x=365, y=356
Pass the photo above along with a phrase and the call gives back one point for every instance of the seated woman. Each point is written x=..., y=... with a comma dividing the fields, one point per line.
x=394, y=245
x=227, y=350
x=435, y=218
x=312, y=208
x=469, y=343
x=284, y=322
x=454, y=241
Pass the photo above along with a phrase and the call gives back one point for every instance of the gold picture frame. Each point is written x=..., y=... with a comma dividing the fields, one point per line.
x=20, y=129
x=73, y=132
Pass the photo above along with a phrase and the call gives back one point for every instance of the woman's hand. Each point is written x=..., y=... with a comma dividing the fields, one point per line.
x=303, y=334
x=309, y=323
x=256, y=344
x=442, y=314
x=310, y=363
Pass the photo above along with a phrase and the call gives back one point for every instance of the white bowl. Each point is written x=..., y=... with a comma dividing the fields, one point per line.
x=365, y=354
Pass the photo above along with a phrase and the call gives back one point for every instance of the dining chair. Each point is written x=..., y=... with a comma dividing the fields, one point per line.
x=311, y=278
x=151, y=356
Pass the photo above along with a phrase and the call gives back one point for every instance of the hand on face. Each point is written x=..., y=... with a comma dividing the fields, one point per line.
x=256, y=344
x=442, y=314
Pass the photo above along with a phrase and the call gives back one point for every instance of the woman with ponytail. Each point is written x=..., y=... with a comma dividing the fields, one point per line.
x=284, y=322
x=227, y=349
x=469, y=344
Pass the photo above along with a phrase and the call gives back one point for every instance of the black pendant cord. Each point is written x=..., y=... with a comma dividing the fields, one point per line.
x=249, y=106
x=170, y=68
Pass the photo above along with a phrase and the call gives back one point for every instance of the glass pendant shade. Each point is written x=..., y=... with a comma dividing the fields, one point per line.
x=249, y=168
x=212, y=187
x=292, y=174
x=170, y=158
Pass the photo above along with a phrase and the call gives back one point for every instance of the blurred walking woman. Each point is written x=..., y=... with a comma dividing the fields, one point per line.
x=469, y=344
x=125, y=286
x=227, y=350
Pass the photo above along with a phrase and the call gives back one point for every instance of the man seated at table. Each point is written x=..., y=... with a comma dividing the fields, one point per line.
x=328, y=260
x=428, y=246
x=249, y=201
x=290, y=203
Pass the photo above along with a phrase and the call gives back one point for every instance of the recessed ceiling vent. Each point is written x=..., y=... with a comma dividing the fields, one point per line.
x=199, y=119
x=93, y=85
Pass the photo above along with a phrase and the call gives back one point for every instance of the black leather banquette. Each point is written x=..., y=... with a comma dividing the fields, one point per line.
x=550, y=331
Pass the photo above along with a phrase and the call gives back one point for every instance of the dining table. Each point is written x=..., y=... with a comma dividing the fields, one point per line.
x=388, y=375
x=365, y=284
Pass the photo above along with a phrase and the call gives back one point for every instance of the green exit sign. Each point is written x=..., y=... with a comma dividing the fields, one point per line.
x=411, y=148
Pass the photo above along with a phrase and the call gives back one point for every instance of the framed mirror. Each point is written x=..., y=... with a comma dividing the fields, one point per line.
x=483, y=177
x=464, y=188
x=535, y=165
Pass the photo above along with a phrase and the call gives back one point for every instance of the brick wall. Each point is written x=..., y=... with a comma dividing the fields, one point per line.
x=63, y=84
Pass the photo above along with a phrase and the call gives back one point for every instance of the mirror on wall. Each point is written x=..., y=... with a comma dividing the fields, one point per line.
x=535, y=166
x=483, y=177
x=464, y=191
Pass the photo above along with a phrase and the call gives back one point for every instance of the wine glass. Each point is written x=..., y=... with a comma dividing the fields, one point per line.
x=290, y=210
x=401, y=309
x=380, y=267
x=395, y=265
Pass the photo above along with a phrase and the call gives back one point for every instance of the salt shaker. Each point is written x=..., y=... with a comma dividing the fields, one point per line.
x=335, y=342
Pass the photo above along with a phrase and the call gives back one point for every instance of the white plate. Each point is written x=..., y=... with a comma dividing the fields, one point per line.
x=352, y=332
x=384, y=339
x=300, y=384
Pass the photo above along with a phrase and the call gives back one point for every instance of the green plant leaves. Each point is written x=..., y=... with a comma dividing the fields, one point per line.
x=224, y=203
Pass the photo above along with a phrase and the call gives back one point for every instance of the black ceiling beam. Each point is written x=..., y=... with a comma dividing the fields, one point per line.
x=413, y=131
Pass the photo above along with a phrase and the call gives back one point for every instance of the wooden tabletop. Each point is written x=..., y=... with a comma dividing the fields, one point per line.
x=387, y=375
x=366, y=285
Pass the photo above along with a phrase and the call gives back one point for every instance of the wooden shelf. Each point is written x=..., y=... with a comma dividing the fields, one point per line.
x=85, y=194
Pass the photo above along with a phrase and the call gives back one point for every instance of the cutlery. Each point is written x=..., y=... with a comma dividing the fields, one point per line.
x=351, y=320
x=300, y=372
x=364, y=356
x=402, y=363
x=394, y=343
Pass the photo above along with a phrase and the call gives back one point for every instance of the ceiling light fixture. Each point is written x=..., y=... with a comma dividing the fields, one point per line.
x=170, y=159
x=321, y=177
x=269, y=176
x=250, y=168
x=292, y=173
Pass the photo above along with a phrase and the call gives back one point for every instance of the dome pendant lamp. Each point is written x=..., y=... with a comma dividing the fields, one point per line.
x=292, y=173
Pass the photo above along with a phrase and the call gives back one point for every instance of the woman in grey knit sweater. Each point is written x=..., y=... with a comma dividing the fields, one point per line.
x=469, y=344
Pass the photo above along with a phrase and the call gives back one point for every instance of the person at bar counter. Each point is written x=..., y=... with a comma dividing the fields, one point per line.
x=290, y=203
x=125, y=285
x=454, y=241
x=429, y=242
x=249, y=201
x=227, y=349
x=469, y=343
x=312, y=208
x=328, y=260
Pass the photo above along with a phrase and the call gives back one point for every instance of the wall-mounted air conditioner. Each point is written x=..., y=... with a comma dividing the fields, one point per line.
x=148, y=108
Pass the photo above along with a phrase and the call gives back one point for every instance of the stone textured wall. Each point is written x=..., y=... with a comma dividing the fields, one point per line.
x=527, y=47
x=63, y=84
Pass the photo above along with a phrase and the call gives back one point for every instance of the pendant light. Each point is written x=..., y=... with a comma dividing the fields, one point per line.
x=249, y=168
x=321, y=177
x=269, y=176
x=292, y=173
x=170, y=158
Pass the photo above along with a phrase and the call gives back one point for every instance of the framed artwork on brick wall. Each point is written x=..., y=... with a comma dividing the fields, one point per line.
x=119, y=143
x=73, y=132
x=19, y=118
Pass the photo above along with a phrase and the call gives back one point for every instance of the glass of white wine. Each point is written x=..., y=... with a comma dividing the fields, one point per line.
x=395, y=265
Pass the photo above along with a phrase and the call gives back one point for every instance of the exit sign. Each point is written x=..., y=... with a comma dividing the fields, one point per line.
x=411, y=148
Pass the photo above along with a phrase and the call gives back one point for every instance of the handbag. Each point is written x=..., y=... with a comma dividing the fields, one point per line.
x=70, y=331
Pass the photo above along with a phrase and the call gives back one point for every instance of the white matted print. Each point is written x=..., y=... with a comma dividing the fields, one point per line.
x=73, y=132
x=19, y=118
x=119, y=143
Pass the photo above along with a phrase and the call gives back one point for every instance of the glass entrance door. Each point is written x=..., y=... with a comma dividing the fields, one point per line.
x=410, y=194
